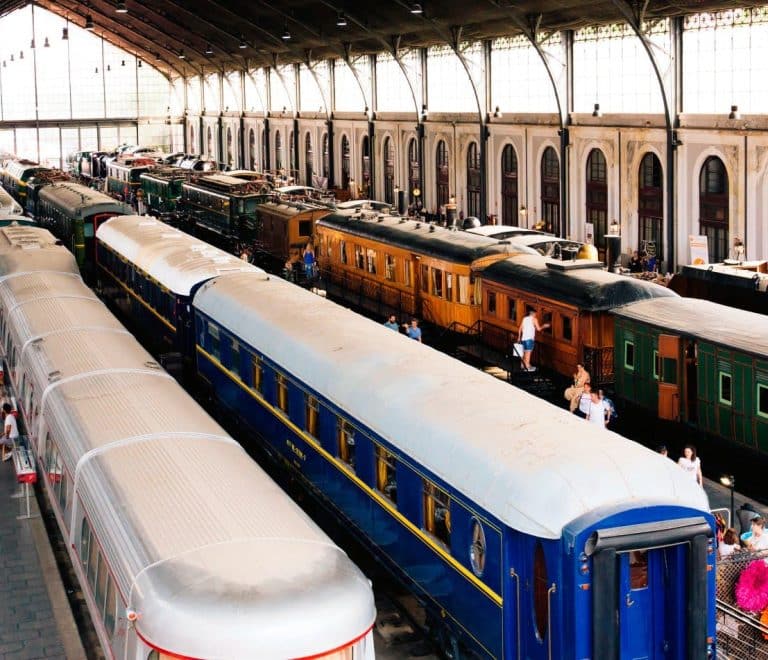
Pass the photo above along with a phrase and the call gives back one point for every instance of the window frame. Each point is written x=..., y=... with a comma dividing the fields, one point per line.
x=721, y=375
x=758, y=387
x=627, y=344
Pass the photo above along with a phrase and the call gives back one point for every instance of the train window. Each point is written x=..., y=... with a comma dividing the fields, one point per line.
x=424, y=283
x=63, y=491
x=389, y=267
x=343, y=251
x=305, y=228
x=408, y=273
x=437, y=282
x=762, y=400
x=477, y=548
x=213, y=333
x=346, y=442
x=386, y=481
x=359, y=257
x=85, y=541
x=328, y=247
x=567, y=328
x=101, y=583
x=491, y=303
x=257, y=382
x=437, y=512
x=449, y=286
x=93, y=562
x=638, y=569
x=464, y=289
x=540, y=591
x=233, y=363
x=511, y=309
x=656, y=365
x=629, y=355
x=110, y=609
x=312, y=422
x=726, y=392
x=546, y=320
x=282, y=392
x=370, y=261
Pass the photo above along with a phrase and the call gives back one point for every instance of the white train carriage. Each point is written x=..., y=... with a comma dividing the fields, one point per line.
x=184, y=547
x=8, y=205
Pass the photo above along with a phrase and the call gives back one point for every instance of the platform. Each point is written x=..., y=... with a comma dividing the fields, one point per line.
x=35, y=617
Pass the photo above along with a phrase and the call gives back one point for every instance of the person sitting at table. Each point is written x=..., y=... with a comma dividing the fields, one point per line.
x=635, y=263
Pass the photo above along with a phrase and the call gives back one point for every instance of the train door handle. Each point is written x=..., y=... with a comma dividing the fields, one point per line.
x=629, y=600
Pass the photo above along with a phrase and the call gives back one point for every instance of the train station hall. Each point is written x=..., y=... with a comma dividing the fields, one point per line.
x=387, y=330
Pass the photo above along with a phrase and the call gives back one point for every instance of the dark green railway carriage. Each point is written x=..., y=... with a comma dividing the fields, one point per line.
x=162, y=188
x=699, y=363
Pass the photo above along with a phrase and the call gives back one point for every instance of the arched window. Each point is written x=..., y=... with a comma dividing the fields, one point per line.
x=252, y=150
x=389, y=171
x=278, y=151
x=230, y=160
x=550, y=191
x=414, y=169
x=308, y=171
x=210, y=152
x=292, y=160
x=264, y=150
x=597, y=199
x=344, y=162
x=650, y=204
x=509, y=187
x=365, y=153
x=473, y=180
x=713, y=207
x=326, y=156
x=442, y=175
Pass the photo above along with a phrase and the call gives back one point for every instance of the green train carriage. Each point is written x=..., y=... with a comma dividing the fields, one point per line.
x=15, y=175
x=162, y=188
x=699, y=363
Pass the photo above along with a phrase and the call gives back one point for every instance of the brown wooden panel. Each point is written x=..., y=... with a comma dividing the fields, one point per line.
x=669, y=401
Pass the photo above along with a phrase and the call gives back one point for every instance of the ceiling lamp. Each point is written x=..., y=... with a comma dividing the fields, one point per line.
x=182, y=56
x=139, y=64
x=109, y=67
x=341, y=21
x=32, y=43
x=65, y=33
x=416, y=8
x=46, y=44
x=21, y=55
x=11, y=57
x=4, y=64
x=121, y=8
x=286, y=34
x=242, y=42
x=89, y=22
x=157, y=56
x=122, y=63
x=209, y=49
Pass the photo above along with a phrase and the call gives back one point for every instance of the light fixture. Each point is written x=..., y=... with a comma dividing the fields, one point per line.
x=122, y=63
x=286, y=34
x=209, y=50
x=4, y=64
x=32, y=43
x=46, y=44
x=416, y=8
x=157, y=57
x=65, y=33
x=497, y=113
x=242, y=42
x=341, y=20
x=89, y=22
x=121, y=8
x=21, y=55
x=97, y=70
x=729, y=481
x=596, y=112
x=109, y=67
x=523, y=211
x=735, y=114
x=424, y=112
x=11, y=57
x=182, y=56
x=139, y=64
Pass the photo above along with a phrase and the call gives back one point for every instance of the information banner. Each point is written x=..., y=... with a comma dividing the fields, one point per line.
x=699, y=247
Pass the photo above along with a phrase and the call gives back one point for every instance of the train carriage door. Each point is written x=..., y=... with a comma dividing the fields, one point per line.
x=669, y=379
x=637, y=627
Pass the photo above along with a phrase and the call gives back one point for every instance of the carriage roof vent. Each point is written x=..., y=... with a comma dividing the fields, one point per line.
x=431, y=228
x=380, y=217
x=53, y=376
x=418, y=225
x=402, y=221
x=151, y=364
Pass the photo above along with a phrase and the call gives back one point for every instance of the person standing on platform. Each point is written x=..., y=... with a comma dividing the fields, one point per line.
x=10, y=431
x=413, y=330
x=527, y=335
x=691, y=464
x=392, y=323
x=585, y=400
x=598, y=413
x=309, y=261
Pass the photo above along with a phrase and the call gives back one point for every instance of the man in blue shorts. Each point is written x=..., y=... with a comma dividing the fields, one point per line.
x=527, y=334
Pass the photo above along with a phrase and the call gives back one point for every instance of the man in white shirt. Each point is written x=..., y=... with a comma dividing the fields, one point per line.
x=585, y=399
x=597, y=411
x=10, y=431
x=527, y=334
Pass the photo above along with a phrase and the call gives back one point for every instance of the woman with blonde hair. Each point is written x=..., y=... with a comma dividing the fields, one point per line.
x=574, y=392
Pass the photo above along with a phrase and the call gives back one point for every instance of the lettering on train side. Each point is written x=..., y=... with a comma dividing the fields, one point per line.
x=296, y=451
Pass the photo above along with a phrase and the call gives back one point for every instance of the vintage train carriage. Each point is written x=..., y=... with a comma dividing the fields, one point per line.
x=124, y=176
x=158, y=268
x=285, y=228
x=73, y=213
x=524, y=531
x=575, y=298
x=8, y=205
x=183, y=546
x=389, y=264
x=222, y=207
x=7, y=219
x=742, y=285
x=696, y=362
x=15, y=175
x=36, y=183
x=162, y=188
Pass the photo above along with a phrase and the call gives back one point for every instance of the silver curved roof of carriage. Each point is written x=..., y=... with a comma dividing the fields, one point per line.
x=533, y=466
x=172, y=257
x=736, y=329
x=423, y=237
x=215, y=559
x=8, y=205
x=589, y=289
x=25, y=248
x=76, y=198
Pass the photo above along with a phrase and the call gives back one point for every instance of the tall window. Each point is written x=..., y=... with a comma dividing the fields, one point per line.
x=278, y=151
x=292, y=160
x=509, y=186
x=252, y=150
x=192, y=142
x=344, y=162
x=365, y=154
x=413, y=169
x=264, y=149
x=326, y=156
x=230, y=159
x=473, y=180
x=441, y=172
x=210, y=152
x=550, y=190
x=650, y=203
x=308, y=159
x=389, y=172
x=713, y=207
x=597, y=198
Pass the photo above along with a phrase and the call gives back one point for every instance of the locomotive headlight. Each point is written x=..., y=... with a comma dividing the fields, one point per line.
x=131, y=615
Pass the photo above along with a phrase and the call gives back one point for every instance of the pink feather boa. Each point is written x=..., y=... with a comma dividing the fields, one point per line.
x=752, y=587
